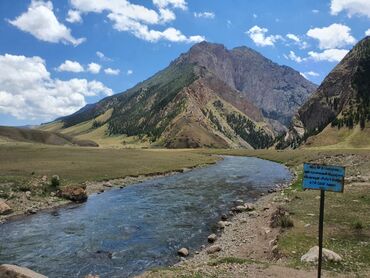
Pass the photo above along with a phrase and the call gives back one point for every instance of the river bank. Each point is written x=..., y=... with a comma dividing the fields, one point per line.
x=249, y=246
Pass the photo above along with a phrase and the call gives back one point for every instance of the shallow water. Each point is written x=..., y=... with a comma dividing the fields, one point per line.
x=123, y=232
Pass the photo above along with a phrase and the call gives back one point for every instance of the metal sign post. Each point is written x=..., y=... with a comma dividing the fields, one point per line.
x=323, y=178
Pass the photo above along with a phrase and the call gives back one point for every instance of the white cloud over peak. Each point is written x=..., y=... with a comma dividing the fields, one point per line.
x=367, y=33
x=294, y=57
x=333, y=36
x=94, y=68
x=209, y=15
x=71, y=66
x=74, y=16
x=135, y=19
x=351, y=7
x=312, y=73
x=40, y=21
x=27, y=90
x=258, y=36
x=329, y=55
x=111, y=71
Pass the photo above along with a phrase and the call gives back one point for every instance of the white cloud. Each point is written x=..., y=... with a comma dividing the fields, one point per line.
x=293, y=37
x=367, y=33
x=41, y=22
x=135, y=19
x=71, y=66
x=315, y=11
x=129, y=72
x=74, y=16
x=181, y=4
x=255, y=15
x=209, y=15
x=27, y=90
x=333, y=36
x=294, y=57
x=111, y=71
x=312, y=73
x=258, y=36
x=94, y=68
x=304, y=75
x=352, y=7
x=330, y=55
x=102, y=56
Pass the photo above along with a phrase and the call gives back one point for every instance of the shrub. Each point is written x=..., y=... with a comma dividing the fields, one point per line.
x=55, y=181
x=357, y=225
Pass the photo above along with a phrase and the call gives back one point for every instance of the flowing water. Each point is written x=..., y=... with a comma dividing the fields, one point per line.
x=126, y=231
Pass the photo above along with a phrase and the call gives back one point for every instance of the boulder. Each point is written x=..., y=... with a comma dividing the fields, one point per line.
x=212, y=238
x=183, y=252
x=4, y=208
x=13, y=271
x=75, y=194
x=249, y=206
x=240, y=209
x=312, y=255
x=214, y=249
x=224, y=217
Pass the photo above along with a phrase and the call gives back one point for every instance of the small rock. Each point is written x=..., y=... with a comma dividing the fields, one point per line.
x=243, y=220
x=307, y=225
x=253, y=213
x=31, y=211
x=249, y=206
x=212, y=238
x=213, y=249
x=275, y=249
x=183, y=252
x=239, y=209
x=312, y=255
x=75, y=194
x=52, y=194
x=107, y=184
x=224, y=217
x=239, y=202
x=14, y=271
x=44, y=178
x=28, y=195
x=4, y=208
x=92, y=276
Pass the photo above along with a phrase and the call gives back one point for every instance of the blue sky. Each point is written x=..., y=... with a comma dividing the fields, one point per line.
x=57, y=56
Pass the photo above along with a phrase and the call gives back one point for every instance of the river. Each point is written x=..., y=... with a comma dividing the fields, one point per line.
x=124, y=232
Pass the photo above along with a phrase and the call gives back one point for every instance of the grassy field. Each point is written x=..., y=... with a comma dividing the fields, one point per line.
x=20, y=161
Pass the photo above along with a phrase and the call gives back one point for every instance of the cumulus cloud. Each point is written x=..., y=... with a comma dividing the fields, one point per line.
x=129, y=72
x=330, y=55
x=27, y=91
x=258, y=36
x=94, y=68
x=351, y=7
x=41, y=22
x=74, y=16
x=71, y=66
x=293, y=37
x=209, y=15
x=333, y=36
x=312, y=73
x=135, y=19
x=294, y=57
x=102, y=56
x=181, y=4
x=367, y=33
x=111, y=71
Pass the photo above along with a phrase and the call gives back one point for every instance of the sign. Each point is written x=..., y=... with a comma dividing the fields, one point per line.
x=323, y=177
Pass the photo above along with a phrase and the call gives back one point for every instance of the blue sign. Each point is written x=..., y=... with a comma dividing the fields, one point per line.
x=323, y=177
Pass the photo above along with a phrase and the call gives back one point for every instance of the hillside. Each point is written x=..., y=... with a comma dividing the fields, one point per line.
x=208, y=97
x=41, y=137
x=340, y=108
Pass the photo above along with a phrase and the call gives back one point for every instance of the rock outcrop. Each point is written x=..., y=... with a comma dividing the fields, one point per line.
x=13, y=271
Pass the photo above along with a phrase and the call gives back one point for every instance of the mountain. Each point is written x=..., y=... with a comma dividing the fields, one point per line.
x=208, y=97
x=28, y=135
x=340, y=107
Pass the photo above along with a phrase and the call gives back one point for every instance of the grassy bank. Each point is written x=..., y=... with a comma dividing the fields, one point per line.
x=75, y=165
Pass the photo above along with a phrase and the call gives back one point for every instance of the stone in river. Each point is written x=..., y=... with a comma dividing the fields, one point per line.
x=183, y=252
x=212, y=238
x=75, y=194
x=13, y=271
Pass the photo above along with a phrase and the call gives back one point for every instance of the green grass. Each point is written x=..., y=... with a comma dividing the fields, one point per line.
x=20, y=162
x=233, y=260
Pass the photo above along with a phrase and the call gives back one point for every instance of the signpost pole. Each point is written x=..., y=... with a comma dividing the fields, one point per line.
x=321, y=229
